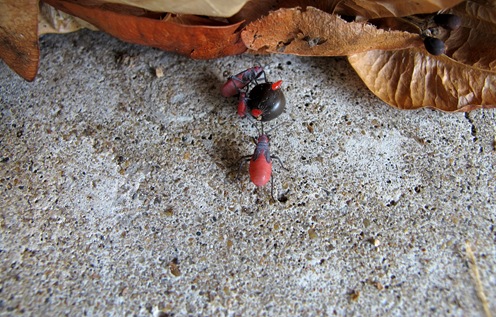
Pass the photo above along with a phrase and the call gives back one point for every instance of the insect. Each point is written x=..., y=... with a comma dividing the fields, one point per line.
x=242, y=104
x=237, y=82
x=266, y=101
x=260, y=167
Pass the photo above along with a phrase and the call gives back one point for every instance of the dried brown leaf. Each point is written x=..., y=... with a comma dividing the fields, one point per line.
x=462, y=80
x=195, y=41
x=478, y=10
x=373, y=9
x=314, y=32
x=212, y=8
x=473, y=48
x=19, y=36
x=51, y=20
x=254, y=10
x=366, y=9
x=411, y=78
x=474, y=43
x=194, y=20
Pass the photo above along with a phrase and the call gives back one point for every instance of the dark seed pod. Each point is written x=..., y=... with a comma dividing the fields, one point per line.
x=434, y=46
x=448, y=21
x=266, y=103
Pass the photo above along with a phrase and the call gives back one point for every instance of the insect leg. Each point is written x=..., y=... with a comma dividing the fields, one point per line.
x=279, y=160
x=243, y=160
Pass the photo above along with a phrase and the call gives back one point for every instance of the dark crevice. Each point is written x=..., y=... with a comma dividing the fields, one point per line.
x=473, y=128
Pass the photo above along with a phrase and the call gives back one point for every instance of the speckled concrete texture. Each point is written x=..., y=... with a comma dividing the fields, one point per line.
x=120, y=194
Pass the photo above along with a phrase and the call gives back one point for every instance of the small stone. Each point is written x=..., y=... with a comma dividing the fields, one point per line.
x=159, y=72
x=355, y=295
x=174, y=267
x=375, y=242
x=310, y=127
x=312, y=234
x=366, y=222
x=169, y=212
x=379, y=285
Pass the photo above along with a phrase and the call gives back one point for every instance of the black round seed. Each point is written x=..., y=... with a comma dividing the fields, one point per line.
x=448, y=21
x=266, y=100
x=434, y=46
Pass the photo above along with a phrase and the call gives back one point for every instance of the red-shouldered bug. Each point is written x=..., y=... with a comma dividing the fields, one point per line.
x=239, y=81
x=242, y=107
x=266, y=101
x=261, y=162
x=260, y=167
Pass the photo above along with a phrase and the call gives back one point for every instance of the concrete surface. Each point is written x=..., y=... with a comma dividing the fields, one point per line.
x=120, y=197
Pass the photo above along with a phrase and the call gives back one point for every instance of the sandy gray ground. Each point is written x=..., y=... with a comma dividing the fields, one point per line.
x=120, y=197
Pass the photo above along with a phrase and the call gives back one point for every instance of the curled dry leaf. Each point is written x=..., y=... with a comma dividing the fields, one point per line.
x=51, y=20
x=211, y=8
x=362, y=9
x=462, y=80
x=411, y=78
x=473, y=47
x=195, y=41
x=314, y=32
x=473, y=44
x=480, y=14
x=373, y=9
x=254, y=10
x=19, y=36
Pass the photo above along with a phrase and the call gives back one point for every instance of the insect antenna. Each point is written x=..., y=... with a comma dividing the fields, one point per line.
x=277, y=126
